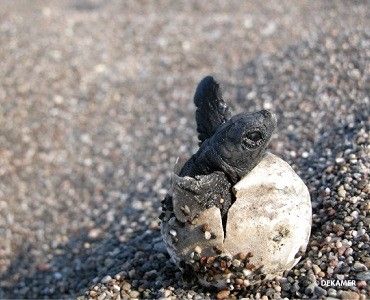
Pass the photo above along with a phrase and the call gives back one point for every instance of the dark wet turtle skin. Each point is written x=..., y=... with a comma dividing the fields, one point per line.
x=236, y=147
x=229, y=147
x=212, y=111
x=201, y=192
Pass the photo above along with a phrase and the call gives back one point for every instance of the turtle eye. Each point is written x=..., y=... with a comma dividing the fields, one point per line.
x=253, y=139
x=254, y=136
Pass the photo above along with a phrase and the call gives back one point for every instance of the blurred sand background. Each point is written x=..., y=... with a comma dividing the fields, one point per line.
x=96, y=105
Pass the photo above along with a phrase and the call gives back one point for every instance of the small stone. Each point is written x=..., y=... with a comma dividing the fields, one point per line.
x=106, y=279
x=286, y=286
x=332, y=292
x=131, y=273
x=363, y=276
x=338, y=228
x=316, y=269
x=207, y=235
x=236, y=263
x=93, y=293
x=295, y=287
x=102, y=296
x=205, y=227
x=340, y=276
x=342, y=192
x=58, y=276
x=354, y=214
x=339, y=160
x=359, y=266
x=242, y=256
x=43, y=267
x=361, y=284
x=348, y=219
x=341, y=250
x=167, y=293
x=348, y=295
x=126, y=286
x=367, y=261
x=361, y=231
x=305, y=154
x=223, y=294
x=310, y=289
x=197, y=249
x=173, y=232
x=116, y=288
x=134, y=294
x=348, y=252
x=319, y=291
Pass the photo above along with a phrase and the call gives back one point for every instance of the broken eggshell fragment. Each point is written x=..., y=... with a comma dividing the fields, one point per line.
x=267, y=228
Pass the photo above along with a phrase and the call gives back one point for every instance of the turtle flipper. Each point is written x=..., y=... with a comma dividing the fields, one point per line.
x=193, y=195
x=212, y=111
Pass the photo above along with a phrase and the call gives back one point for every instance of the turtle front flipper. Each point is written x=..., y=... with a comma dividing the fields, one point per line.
x=193, y=195
x=212, y=111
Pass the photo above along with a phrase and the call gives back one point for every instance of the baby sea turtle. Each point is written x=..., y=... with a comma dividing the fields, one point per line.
x=236, y=214
x=229, y=147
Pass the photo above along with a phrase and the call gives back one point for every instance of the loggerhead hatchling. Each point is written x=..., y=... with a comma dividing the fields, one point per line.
x=229, y=148
x=236, y=213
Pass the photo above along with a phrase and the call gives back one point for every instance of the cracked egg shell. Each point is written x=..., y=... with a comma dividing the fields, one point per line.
x=269, y=223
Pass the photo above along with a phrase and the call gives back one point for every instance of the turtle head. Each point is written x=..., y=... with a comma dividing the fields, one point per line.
x=240, y=143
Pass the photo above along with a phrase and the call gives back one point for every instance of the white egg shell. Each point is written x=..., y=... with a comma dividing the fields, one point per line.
x=271, y=218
